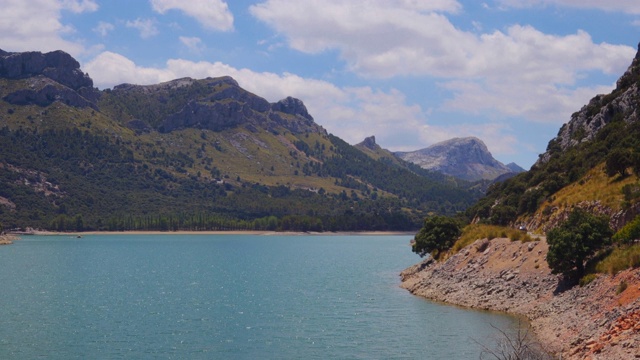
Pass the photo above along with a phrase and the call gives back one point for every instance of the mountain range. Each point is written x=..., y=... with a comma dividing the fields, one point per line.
x=190, y=154
x=593, y=163
x=465, y=158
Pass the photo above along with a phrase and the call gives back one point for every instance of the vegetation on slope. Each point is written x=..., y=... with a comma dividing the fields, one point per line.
x=114, y=167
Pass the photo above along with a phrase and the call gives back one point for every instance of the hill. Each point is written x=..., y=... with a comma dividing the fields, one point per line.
x=188, y=154
x=464, y=158
x=594, y=165
x=596, y=155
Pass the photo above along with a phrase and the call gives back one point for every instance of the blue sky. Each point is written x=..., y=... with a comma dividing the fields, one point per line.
x=410, y=72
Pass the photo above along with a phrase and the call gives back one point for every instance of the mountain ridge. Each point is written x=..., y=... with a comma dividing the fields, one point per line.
x=189, y=154
x=467, y=158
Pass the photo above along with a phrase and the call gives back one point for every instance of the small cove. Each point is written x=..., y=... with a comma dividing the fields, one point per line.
x=225, y=296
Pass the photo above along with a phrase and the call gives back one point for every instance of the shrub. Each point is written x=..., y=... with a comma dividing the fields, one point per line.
x=437, y=235
x=629, y=232
x=585, y=280
x=621, y=287
x=575, y=242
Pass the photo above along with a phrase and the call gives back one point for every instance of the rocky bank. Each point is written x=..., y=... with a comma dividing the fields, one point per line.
x=598, y=321
x=7, y=239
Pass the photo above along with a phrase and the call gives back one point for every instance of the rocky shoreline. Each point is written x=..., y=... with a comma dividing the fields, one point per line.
x=598, y=321
x=7, y=239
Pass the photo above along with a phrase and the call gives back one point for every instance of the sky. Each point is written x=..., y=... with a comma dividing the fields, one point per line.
x=409, y=72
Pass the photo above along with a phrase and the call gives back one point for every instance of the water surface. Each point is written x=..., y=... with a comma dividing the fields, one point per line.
x=225, y=297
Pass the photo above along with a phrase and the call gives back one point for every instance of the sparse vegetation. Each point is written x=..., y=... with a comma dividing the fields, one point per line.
x=106, y=176
x=526, y=193
x=517, y=344
x=473, y=232
x=621, y=258
x=587, y=279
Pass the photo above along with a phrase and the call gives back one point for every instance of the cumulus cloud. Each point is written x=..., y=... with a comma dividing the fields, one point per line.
x=212, y=14
x=194, y=44
x=353, y=112
x=23, y=29
x=146, y=27
x=103, y=28
x=79, y=6
x=381, y=39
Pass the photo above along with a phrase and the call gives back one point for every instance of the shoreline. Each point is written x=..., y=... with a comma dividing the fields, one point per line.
x=218, y=232
x=596, y=321
x=8, y=239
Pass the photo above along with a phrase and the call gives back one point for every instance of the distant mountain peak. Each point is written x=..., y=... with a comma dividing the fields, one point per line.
x=369, y=143
x=465, y=158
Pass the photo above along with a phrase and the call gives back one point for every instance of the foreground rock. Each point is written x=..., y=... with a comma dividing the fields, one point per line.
x=597, y=321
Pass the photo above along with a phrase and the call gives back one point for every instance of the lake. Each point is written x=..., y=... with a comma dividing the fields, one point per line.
x=225, y=297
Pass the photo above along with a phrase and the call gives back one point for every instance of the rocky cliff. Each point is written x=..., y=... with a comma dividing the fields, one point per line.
x=623, y=104
x=214, y=104
x=465, y=158
x=53, y=76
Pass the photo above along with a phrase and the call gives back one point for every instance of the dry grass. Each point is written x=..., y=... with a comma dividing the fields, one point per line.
x=595, y=185
x=620, y=259
x=474, y=232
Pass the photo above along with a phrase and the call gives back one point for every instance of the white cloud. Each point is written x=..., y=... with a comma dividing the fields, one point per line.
x=194, y=44
x=104, y=28
x=24, y=29
x=146, y=27
x=627, y=6
x=354, y=113
x=79, y=6
x=212, y=14
x=383, y=39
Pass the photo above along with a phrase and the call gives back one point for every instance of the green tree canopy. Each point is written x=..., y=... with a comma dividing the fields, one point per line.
x=575, y=241
x=629, y=232
x=438, y=234
x=617, y=162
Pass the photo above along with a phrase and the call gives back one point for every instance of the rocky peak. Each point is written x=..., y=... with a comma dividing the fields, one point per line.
x=369, y=143
x=56, y=65
x=623, y=103
x=465, y=158
x=292, y=106
x=54, y=76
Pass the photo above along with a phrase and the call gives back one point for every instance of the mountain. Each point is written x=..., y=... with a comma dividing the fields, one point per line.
x=593, y=163
x=465, y=158
x=192, y=154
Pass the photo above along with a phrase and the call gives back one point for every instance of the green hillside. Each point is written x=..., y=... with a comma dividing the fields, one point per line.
x=189, y=155
x=593, y=163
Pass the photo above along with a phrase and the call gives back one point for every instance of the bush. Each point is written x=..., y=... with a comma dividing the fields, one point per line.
x=575, y=242
x=585, y=280
x=437, y=235
x=629, y=232
x=621, y=287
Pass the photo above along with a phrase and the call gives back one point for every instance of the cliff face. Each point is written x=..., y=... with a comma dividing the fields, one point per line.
x=214, y=104
x=54, y=76
x=595, y=320
x=464, y=158
x=623, y=103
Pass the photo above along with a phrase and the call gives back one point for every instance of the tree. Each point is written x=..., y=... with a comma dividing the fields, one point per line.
x=575, y=241
x=629, y=232
x=438, y=234
x=618, y=161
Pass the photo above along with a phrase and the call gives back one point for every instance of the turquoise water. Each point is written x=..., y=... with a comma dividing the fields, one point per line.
x=225, y=297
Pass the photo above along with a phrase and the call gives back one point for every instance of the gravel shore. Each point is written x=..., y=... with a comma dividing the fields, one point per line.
x=597, y=321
